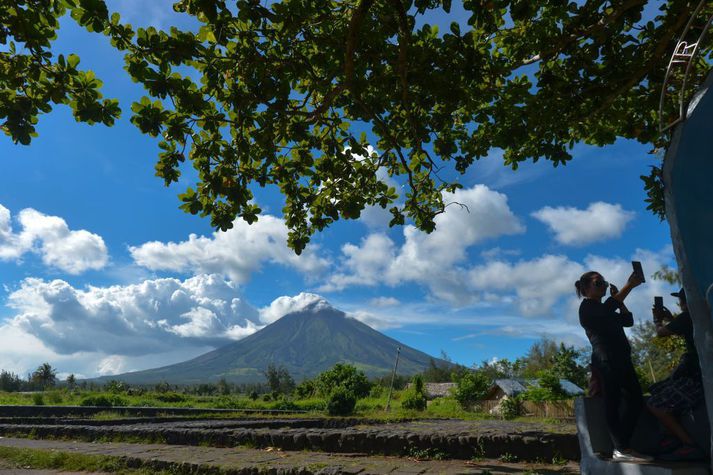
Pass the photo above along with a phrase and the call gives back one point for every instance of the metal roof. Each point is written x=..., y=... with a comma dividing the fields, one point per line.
x=513, y=387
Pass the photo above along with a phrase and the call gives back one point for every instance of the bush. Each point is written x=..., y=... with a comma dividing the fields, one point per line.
x=103, y=401
x=471, y=387
x=343, y=376
x=341, y=402
x=415, y=397
x=413, y=400
x=510, y=408
x=38, y=399
x=170, y=397
x=54, y=397
x=253, y=395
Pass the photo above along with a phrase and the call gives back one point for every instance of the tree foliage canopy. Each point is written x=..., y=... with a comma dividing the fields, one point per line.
x=293, y=94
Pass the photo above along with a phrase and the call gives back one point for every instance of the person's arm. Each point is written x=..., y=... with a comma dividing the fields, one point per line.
x=633, y=281
x=661, y=315
x=626, y=318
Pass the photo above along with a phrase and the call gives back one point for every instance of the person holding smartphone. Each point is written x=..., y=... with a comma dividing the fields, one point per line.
x=604, y=323
x=680, y=392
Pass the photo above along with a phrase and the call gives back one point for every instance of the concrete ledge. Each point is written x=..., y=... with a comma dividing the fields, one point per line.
x=595, y=446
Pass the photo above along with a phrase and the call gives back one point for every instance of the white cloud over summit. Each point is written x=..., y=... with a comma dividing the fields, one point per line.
x=49, y=237
x=235, y=253
x=577, y=227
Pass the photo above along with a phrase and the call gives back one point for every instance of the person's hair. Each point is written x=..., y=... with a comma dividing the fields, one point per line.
x=584, y=282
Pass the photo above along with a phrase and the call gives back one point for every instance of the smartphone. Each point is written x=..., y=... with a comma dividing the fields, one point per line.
x=658, y=302
x=638, y=270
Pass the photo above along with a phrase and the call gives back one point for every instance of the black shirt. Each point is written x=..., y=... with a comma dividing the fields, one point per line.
x=683, y=325
x=605, y=329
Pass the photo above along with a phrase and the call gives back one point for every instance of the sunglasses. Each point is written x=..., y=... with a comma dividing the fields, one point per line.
x=600, y=283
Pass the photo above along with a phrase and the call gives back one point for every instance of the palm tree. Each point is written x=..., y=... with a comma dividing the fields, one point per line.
x=45, y=376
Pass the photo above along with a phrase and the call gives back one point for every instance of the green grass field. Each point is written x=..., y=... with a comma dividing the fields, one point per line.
x=369, y=407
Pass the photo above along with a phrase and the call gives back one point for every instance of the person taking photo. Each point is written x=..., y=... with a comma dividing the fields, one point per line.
x=604, y=323
x=682, y=391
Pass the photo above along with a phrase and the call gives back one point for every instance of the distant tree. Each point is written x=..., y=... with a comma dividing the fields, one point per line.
x=549, y=388
x=668, y=275
x=571, y=364
x=343, y=376
x=10, y=382
x=540, y=356
x=71, y=381
x=501, y=368
x=223, y=387
x=437, y=372
x=654, y=358
x=162, y=387
x=306, y=389
x=44, y=376
x=115, y=386
x=279, y=379
x=471, y=387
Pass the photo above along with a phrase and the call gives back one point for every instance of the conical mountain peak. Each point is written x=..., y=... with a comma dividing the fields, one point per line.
x=307, y=336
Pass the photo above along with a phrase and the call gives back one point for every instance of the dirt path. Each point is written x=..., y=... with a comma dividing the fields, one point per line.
x=244, y=460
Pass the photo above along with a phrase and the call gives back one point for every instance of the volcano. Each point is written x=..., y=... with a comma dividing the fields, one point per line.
x=305, y=342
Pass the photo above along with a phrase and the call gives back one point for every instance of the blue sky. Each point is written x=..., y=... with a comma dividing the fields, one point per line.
x=102, y=273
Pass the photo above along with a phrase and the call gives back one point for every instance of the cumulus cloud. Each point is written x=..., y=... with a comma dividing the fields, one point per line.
x=155, y=316
x=103, y=331
x=285, y=305
x=50, y=237
x=577, y=227
x=235, y=253
x=475, y=215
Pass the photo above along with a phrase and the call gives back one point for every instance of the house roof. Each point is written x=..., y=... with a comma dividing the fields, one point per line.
x=513, y=387
x=433, y=390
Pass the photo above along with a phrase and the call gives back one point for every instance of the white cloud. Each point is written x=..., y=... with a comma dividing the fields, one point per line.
x=475, y=215
x=576, y=227
x=537, y=284
x=284, y=305
x=384, y=302
x=155, y=316
x=235, y=253
x=50, y=237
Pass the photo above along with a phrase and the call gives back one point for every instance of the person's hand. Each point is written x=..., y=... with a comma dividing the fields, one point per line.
x=634, y=280
x=661, y=314
x=613, y=290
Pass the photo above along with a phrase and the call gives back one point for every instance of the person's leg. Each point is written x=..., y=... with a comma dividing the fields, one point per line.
x=612, y=399
x=670, y=423
x=633, y=402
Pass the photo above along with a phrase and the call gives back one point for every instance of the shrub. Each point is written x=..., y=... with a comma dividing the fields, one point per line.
x=510, y=407
x=253, y=395
x=413, y=400
x=284, y=405
x=471, y=387
x=415, y=397
x=306, y=389
x=341, y=402
x=38, y=399
x=103, y=401
x=54, y=397
x=170, y=397
x=343, y=376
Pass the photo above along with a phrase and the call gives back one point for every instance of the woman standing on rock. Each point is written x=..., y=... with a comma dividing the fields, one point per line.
x=604, y=324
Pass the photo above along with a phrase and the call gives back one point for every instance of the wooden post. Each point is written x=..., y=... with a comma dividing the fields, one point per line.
x=393, y=375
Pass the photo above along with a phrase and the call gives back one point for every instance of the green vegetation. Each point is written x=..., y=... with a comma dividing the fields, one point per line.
x=342, y=390
x=289, y=94
x=70, y=462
